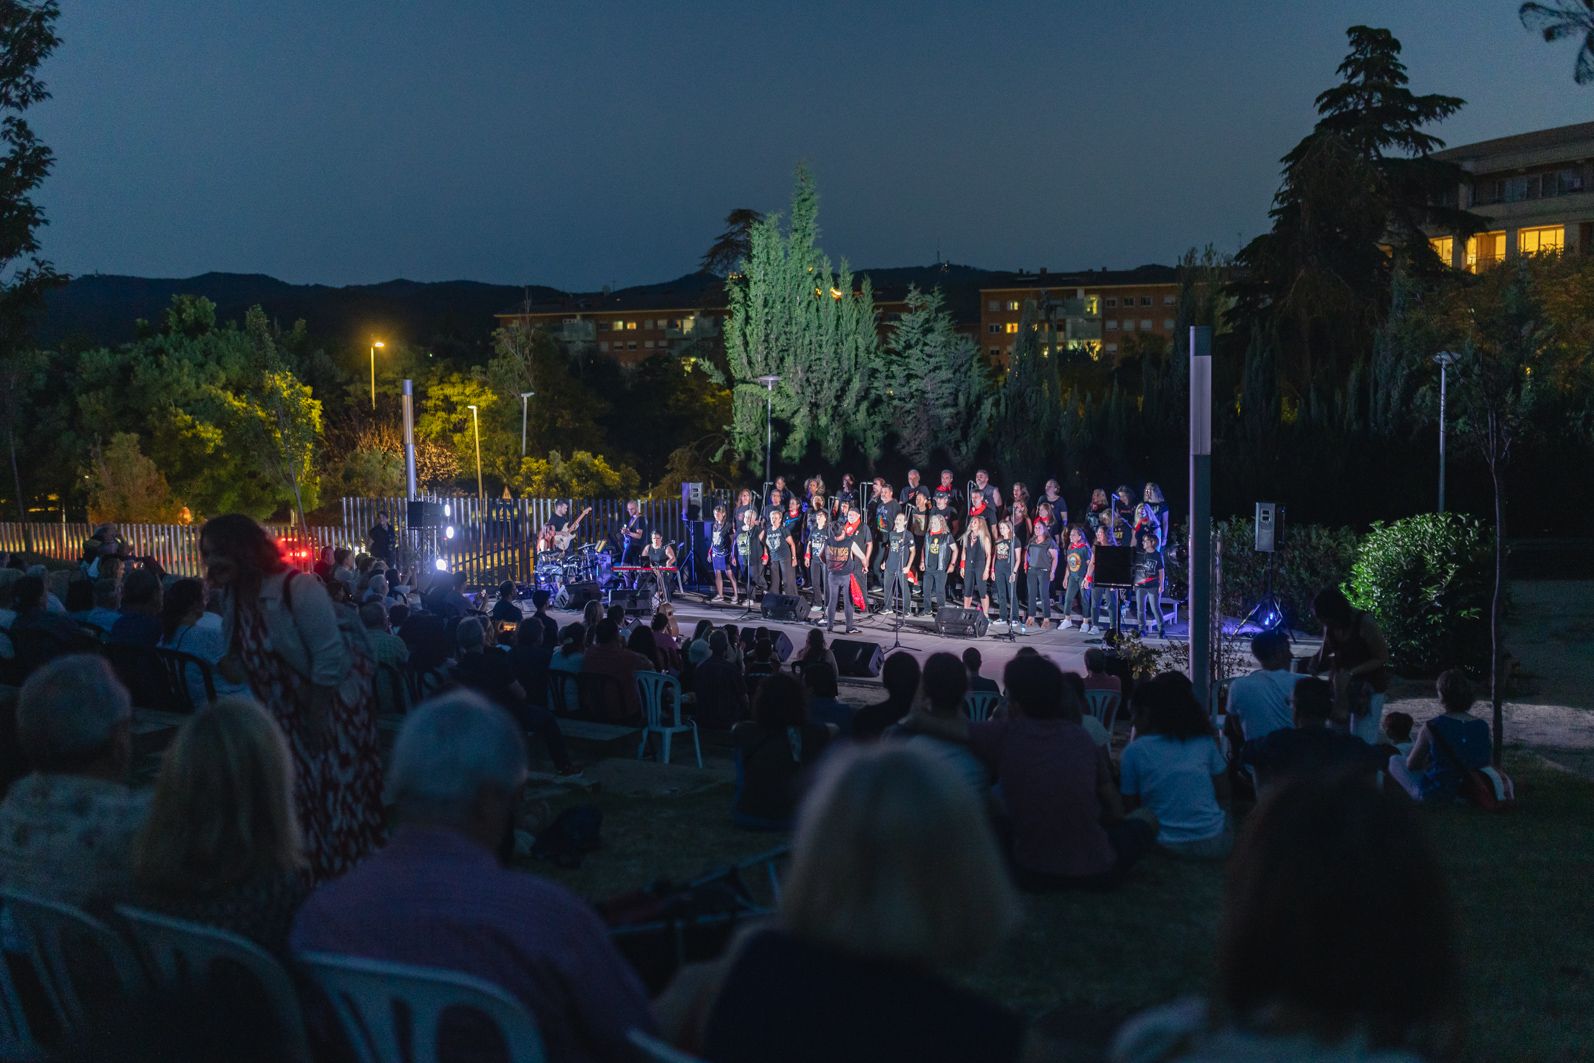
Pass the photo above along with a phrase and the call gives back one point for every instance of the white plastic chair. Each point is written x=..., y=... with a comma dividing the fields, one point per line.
x=180, y=953
x=384, y=1007
x=58, y=937
x=979, y=704
x=651, y=688
x=656, y=1051
x=1103, y=704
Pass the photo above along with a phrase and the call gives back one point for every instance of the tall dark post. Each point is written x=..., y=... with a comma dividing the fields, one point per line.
x=1200, y=605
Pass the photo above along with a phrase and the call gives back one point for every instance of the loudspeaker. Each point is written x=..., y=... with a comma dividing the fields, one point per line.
x=858, y=659
x=782, y=641
x=424, y=514
x=692, y=502
x=964, y=623
x=1114, y=566
x=780, y=607
x=1269, y=527
x=637, y=601
x=577, y=595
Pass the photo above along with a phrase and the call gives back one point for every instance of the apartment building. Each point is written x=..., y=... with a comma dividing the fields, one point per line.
x=1096, y=310
x=1536, y=189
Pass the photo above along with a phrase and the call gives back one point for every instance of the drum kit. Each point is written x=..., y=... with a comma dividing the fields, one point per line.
x=584, y=564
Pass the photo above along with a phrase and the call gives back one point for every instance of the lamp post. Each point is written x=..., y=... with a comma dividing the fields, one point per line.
x=476, y=427
x=769, y=380
x=1444, y=359
x=374, y=345
x=524, y=395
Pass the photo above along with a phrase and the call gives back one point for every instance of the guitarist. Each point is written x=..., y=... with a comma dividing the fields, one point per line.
x=564, y=529
x=632, y=534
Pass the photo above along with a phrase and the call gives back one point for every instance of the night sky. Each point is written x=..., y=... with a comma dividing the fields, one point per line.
x=581, y=144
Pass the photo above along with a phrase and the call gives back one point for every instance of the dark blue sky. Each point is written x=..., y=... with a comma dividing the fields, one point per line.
x=577, y=144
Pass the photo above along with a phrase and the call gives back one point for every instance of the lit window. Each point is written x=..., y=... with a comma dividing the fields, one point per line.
x=1145, y=300
x=630, y=326
x=992, y=304
x=1543, y=240
x=1092, y=305
x=618, y=326
x=1145, y=325
x=1167, y=324
x=1168, y=300
x=1444, y=247
x=1112, y=300
x=1012, y=328
x=1129, y=324
x=994, y=328
x=1112, y=325
x=1012, y=304
x=1485, y=250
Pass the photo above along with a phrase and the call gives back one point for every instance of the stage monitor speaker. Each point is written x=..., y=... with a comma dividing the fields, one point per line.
x=962, y=623
x=692, y=502
x=861, y=660
x=424, y=514
x=1114, y=566
x=637, y=601
x=1269, y=527
x=780, y=607
x=782, y=641
x=577, y=595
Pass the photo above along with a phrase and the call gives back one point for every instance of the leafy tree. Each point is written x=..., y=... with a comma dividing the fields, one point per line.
x=27, y=38
x=935, y=383
x=582, y=475
x=124, y=485
x=732, y=245
x=1561, y=19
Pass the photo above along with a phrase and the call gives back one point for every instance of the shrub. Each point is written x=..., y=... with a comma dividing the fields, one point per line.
x=1427, y=581
x=1311, y=557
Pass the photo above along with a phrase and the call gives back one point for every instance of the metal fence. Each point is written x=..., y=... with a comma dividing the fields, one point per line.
x=174, y=546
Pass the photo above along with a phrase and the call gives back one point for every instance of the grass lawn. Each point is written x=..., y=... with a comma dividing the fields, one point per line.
x=1523, y=885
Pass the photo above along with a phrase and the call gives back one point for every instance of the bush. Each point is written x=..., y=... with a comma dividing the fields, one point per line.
x=1310, y=558
x=1427, y=581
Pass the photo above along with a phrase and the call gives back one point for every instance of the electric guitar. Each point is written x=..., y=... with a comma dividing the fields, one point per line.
x=563, y=539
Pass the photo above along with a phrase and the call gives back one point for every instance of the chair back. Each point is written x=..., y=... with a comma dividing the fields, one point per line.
x=562, y=695
x=653, y=1050
x=386, y=1007
x=392, y=692
x=1103, y=704
x=147, y=679
x=601, y=698
x=83, y=964
x=178, y=667
x=657, y=710
x=979, y=704
x=188, y=955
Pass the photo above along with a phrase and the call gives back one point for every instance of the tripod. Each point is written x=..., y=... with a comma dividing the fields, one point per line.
x=1268, y=613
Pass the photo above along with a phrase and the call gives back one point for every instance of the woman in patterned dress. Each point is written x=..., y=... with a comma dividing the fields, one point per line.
x=284, y=641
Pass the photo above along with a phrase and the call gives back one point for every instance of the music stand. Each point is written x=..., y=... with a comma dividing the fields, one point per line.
x=1114, y=570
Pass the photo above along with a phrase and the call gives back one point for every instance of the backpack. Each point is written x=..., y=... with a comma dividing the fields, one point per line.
x=1489, y=788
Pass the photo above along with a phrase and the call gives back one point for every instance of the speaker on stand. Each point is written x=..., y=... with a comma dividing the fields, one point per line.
x=1267, y=614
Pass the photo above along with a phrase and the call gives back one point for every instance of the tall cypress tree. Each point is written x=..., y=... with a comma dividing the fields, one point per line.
x=939, y=386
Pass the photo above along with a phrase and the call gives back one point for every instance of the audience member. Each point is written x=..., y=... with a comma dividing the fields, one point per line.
x=550, y=627
x=1448, y=746
x=1310, y=746
x=1356, y=657
x=325, y=563
x=286, y=645
x=644, y=645
x=773, y=751
x=762, y=663
x=972, y=661
x=591, y=614
x=107, y=604
x=1096, y=675
x=1260, y=701
x=386, y=647
x=343, y=568
x=1075, y=708
x=815, y=650
x=1175, y=768
x=66, y=830
x=182, y=607
x=734, y=654
x=607, y=657
x=1068, y=825
x=874, y=921
x=504, y=607
x=697, y=650
x=532, y=658
x=943, y=686
x=446, y=598
x=718, y=686
x=222, y=843
x=900, y=676
x=566, y=662
x=375, y=591
x=481, y=665
x=80, y=599
x=1397, y=731
x=669, y=650
x=439, y=896
x=824, y=704
x=140, y=622
x=1304, y=971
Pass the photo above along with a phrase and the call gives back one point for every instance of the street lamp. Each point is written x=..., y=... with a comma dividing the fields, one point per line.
x=524, y=395
x=1444, y=359
x=476, y=427
x=769, y=380
x=374, y=345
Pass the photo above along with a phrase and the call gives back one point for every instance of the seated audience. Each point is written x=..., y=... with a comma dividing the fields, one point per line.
x=446, y=598
x=532, y=659
x=607, y=657
x=697, y=650
x=140, y=622
x=429, y=639
x=1397, y=731
x=1311, y=745
x=550, y=627
x=824, y=706
x=107, y=606
x=481, y=665
x=815, y=651
x=1175, y=769
x=343, y=570
x=1356, y=656
x=972, y=661
x=222, y=842
x=900, y=676
x=440, y=896
x=80, y=599
x=1068, y=825
x=375, y=591
x=718, y=686
x=1447, y=747
x=566, y=661
x=644, y=645
x=1096, y=675
x=944, y=684
x=37, y=633
x=1076, y=708
x=669, y=650
x=763, y=661
x=874, y=923
x=182, y=608
x=734, y=655
x=8, y=614
x=1260, y=701
x=1303, y=972
x=66, y=830
x=773, y=752
x=386, y=647
x=504, y=607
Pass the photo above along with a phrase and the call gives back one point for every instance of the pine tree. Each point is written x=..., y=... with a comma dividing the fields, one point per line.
x=939, y=387
x=1027, y=422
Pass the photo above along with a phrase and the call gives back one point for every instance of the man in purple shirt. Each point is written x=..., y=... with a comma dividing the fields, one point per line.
x=438, y=895
x=1067, y=819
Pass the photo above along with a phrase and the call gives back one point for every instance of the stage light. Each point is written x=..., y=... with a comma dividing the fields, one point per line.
x=440, y=564
x=448, y=510
x=448, y=532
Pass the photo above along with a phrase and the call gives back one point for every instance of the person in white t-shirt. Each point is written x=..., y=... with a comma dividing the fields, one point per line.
x=1175, y=769
x=1261, y=701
